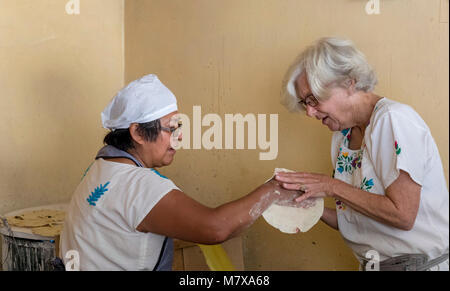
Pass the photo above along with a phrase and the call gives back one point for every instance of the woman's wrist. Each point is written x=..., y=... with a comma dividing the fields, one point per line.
x=339, y=189
x=274, y=192
x=270, y=190
x=333, y=187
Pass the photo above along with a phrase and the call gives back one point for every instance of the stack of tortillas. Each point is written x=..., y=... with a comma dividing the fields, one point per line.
x=289, y=219
x=45, y=222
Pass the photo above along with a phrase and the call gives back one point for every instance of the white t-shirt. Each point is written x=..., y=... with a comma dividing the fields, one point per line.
x=106, y=208
x=396, y=139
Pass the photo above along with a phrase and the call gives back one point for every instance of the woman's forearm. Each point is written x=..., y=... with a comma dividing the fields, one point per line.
x=179, y=216
x=237, y=215
x=329, y=216
x=397, y=207
x=378, y=207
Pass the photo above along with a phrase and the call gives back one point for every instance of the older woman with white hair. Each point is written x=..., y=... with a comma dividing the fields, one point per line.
x=392, y=200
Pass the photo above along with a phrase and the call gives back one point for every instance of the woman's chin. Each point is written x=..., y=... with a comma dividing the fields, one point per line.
x=168, y=160
x=333, y=126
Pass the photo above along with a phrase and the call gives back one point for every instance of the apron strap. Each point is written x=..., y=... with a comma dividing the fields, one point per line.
x=165, y=259
x=110, y=151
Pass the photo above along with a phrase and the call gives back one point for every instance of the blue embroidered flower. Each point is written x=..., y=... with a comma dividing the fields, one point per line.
x=96, y=194
x=366, y=184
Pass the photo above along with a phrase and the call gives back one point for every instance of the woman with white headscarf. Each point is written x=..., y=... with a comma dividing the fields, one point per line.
x=124, y=213
x=392, y=200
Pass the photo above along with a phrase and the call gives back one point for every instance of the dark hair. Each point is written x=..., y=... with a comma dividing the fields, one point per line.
x=121, y=138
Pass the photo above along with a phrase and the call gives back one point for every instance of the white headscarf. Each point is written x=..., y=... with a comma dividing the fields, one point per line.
x=142, y=101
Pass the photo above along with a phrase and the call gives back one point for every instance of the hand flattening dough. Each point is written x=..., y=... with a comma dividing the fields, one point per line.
x=293, y=219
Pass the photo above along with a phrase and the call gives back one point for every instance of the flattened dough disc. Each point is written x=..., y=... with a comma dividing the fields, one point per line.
x=288, y=219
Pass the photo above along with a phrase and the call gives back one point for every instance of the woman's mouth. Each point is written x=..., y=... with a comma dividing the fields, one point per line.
x=323, y=119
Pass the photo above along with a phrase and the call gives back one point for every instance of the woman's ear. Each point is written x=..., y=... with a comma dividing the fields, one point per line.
x=135, y=135
x=350, y=84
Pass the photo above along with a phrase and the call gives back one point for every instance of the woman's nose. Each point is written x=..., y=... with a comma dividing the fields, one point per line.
x=310, y=111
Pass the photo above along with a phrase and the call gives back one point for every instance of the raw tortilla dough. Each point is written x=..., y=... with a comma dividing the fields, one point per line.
x=293, y=219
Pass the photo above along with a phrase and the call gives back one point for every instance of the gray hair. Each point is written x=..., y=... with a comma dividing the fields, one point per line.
x=328, y=62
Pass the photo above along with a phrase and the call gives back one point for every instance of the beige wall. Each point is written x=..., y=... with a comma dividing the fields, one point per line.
x=57, y=72
x=230, y=57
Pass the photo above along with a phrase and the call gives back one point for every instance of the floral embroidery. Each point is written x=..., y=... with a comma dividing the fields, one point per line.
x=366, y=184
x=345, y=131
x=96, y=194
x=347, y=163
x=344, y=163
x=398, y=149
x=340, y=205
x=347, y=136
x=357, y=160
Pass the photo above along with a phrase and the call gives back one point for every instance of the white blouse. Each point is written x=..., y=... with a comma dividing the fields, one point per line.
x=396, y=139
x=106, y=209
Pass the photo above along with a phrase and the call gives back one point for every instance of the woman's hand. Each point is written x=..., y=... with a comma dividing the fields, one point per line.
x=313, y=185
x=281, y=195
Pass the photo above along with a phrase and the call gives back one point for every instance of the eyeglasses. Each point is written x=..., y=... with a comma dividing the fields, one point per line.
x=173, y=130
x=309, y=100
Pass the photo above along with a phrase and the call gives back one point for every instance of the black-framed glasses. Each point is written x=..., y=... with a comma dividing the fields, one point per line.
x=309, y=100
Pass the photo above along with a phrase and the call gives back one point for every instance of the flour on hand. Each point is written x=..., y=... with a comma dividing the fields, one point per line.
x=294, y=219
